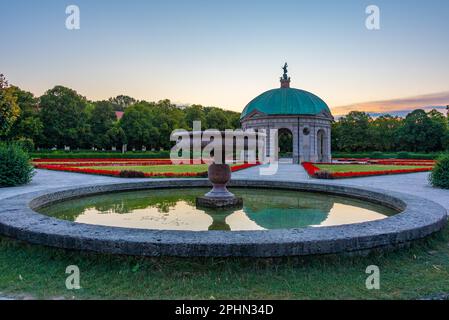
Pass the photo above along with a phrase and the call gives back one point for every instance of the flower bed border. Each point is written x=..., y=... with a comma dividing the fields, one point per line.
x=399, y=162
x=313, y=171
x=116, y=173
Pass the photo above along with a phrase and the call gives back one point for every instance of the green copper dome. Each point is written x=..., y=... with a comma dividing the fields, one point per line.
x=286, y=101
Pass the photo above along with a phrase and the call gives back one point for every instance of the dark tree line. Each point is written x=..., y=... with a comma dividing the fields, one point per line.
x=418, y=132
x=61, y=117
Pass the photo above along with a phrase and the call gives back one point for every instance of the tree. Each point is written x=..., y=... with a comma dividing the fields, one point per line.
x=233, y=119
x=422, y=133
x=440, y=125
x=216, y=119
x=9, y=109
x=352, y=133
x=65, y=119
x=167, y=117
x=383, y=133
x=120, y=103
x=194, y=113
x=137, y=124
x=116, y=136
x=101, y=120
x=28, y=124
x=3, y=82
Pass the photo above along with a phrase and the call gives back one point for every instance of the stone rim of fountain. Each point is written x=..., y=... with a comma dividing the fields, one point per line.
x=420, y=218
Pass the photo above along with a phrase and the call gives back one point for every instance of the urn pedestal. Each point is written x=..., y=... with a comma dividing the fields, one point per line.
x=219, y=196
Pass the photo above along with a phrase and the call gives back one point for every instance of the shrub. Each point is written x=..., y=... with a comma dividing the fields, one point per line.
x=131, y=174
x=15, y=167
x=323, y=174
x=440, y=174
x=26, y=144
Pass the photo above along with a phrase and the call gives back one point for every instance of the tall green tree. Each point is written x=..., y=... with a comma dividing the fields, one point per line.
x=9, y=109
x=121, y=102
x=137, y=124
x=167, y=117
x=216, y=119
x=422, y=133
x=384, y=132
x=194, y=113
x=102, y=119
x=233, y=119
x=351, y=133
x=117, y=136
x=440, y=126
x=65, y=119
x=28, y=124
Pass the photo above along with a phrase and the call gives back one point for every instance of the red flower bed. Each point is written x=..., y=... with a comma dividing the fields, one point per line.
x=97, y=160
x=106, y=162
x=310, y=168
x=116, y=173
x=313, y=171
x=377, y=173
x=243, y=166
x=398, y=162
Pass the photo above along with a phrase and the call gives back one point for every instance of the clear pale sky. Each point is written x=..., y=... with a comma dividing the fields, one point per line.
x=224, y=53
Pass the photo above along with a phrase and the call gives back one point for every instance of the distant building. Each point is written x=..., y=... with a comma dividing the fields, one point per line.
x=119, y=115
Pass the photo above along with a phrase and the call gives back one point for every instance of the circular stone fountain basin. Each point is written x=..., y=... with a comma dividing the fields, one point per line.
x=263, y=209
x=417, y=218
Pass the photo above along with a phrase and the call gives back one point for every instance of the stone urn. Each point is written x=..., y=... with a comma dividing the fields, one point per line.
x=219, y=197
x=219, y=175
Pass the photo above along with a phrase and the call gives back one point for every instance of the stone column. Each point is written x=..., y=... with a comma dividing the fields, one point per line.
x=296, y=149
x=314, y=144
x=305, y=143
x=329, y=145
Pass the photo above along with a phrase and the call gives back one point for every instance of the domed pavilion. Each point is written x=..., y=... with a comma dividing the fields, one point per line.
x=303, y=115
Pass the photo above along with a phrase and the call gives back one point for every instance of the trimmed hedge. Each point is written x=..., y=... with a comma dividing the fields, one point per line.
x=440, y=175
x=15, y=166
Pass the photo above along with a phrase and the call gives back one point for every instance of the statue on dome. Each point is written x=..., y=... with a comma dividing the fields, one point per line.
x=285, y=71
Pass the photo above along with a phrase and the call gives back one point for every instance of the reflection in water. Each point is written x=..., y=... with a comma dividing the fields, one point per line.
x=174, y=209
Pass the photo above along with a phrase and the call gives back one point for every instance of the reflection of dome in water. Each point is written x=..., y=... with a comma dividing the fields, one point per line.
x=273, y=218
x=287, y=209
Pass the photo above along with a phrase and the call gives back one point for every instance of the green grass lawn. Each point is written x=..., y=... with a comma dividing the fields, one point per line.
x=39, y=272
x=363, y=167
x=194, y=168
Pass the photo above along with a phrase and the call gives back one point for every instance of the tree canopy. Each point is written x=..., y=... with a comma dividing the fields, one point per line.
x=63, y=114
x=418, y=132
x=62, y=117
x=9, y=109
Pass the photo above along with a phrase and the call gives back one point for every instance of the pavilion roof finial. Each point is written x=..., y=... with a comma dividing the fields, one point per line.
x=285, y=79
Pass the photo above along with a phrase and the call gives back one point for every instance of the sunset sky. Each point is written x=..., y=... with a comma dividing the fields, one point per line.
x=224, y=53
